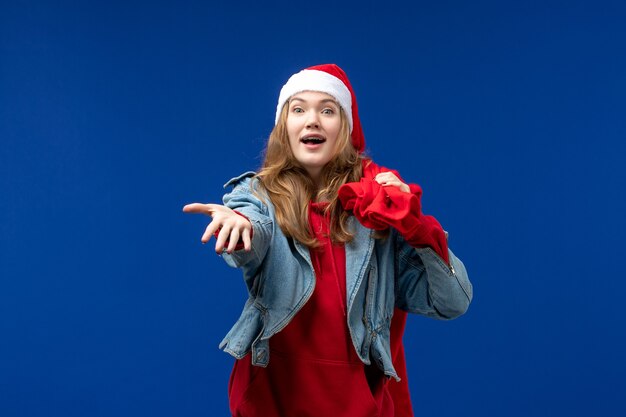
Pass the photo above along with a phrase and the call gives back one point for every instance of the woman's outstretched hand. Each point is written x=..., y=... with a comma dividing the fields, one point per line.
x=231, y=226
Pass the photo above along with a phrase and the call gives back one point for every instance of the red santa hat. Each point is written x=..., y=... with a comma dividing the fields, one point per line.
x=332, y=80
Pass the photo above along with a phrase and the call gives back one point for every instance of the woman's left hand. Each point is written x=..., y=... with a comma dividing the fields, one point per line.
x=387, y=179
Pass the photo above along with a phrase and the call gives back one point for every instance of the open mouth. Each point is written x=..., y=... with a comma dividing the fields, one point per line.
x=312, y=140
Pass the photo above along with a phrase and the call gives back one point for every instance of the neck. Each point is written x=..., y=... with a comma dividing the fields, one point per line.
x=316, y=176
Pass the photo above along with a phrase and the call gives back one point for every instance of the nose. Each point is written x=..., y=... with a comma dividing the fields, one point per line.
x=312, y=120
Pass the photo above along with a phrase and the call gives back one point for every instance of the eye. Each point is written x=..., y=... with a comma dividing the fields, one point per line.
x=328, y=110
x=297, y=110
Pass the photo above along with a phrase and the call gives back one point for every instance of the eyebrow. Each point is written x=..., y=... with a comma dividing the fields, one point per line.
x=326, y=100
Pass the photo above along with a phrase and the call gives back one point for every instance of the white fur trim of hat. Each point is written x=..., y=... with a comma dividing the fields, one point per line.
x=314, y=80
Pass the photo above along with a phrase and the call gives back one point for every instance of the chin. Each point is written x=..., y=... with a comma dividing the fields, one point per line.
x=312, y=165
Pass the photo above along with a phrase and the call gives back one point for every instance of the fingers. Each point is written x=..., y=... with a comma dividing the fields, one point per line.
x=383, y=177
x=247, y=242
x=200, y=208
x=387, y=179
x=240, y=232
x=222, y=237
x=232, y=226
x=233, y=240
x=210, y=230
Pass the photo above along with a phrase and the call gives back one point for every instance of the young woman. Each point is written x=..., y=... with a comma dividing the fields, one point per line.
x=334, y=251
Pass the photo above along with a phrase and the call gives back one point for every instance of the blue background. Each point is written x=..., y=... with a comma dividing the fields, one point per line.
x=113, y=115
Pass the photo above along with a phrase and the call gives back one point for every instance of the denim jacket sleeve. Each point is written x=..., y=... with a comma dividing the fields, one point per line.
x=426, y=285
x=243, y=199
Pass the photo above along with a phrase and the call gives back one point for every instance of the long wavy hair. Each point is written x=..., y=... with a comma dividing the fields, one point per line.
x=291, y=189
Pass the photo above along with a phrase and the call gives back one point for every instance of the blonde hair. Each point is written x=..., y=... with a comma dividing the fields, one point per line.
x=291, y=189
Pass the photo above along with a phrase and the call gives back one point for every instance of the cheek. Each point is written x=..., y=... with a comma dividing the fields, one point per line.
x=293, y=139
x=292, y=146
x=334, y=131
x=292, y=130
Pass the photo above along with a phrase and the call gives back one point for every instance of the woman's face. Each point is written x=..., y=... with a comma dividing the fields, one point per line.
x=313, y=125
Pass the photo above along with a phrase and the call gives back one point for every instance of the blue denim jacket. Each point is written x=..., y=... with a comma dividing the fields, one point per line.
x=380, y=274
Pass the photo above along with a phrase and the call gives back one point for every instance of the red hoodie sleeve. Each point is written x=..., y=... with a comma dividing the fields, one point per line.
x=378, y=207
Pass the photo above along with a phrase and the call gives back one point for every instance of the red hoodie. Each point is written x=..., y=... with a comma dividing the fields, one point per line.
x=314, y=370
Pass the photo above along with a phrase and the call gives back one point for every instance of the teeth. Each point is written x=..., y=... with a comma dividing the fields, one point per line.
x=312, y=139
